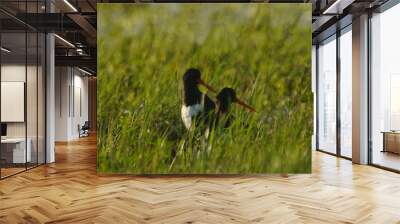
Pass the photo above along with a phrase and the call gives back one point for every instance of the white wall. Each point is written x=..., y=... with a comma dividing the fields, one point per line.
x=71, y=94
x=80, y=89
x=33, y=127
x=10, y=73
x=16, y=73
x=62, y=82
x=13, y=72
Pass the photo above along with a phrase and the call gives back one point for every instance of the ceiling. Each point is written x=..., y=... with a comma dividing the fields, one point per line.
x=74, y=22
x=330, y=15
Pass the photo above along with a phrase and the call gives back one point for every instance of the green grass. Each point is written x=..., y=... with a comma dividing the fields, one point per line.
x=263, y=51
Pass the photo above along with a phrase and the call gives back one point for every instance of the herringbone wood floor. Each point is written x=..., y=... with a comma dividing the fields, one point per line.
x=69, y=191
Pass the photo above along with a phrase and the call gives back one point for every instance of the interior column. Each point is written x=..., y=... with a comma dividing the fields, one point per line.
x=50, y=92
x=360, y=90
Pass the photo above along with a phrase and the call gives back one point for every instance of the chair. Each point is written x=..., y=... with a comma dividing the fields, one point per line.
x=84, y=130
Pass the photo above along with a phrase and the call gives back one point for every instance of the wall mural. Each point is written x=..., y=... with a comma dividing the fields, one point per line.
x=204, y=88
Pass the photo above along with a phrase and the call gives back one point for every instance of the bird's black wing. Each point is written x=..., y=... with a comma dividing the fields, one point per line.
x=208, y=110
x=209, y=105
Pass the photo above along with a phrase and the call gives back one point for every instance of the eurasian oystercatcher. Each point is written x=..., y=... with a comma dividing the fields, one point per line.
x=197, y=105
x=225, y=98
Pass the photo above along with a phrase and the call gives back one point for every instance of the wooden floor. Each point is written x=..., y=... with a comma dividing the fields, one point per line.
x=5, y=172
x=69, y=191
x=387, y=159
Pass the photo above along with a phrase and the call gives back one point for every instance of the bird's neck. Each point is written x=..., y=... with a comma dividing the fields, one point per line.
x=223, y=107
x=192, y=95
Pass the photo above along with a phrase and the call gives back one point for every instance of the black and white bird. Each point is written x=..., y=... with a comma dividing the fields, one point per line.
x=225, y=98
x=199, y=106
x=196, y=105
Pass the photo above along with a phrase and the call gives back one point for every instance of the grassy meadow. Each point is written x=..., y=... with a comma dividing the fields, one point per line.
x=263, y=51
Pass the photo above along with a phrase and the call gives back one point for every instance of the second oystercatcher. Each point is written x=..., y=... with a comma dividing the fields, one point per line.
x=199, y=106
x=225, y=98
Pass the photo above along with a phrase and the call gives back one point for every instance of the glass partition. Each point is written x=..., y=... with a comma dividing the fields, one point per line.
x=346, y=92
x=14, y=153
x=385, y=89
x=22, y=107
x=327, y=95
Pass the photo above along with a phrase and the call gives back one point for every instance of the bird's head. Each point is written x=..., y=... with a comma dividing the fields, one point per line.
x=192, y=78
x=227, y=96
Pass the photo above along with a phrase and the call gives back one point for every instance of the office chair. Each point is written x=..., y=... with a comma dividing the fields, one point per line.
x=84, y=130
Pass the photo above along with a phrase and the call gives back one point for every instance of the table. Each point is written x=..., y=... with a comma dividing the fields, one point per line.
x=13, y=150
x=391, y=141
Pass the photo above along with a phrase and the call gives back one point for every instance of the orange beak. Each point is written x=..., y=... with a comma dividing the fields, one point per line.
x=240, y=102
x=201, y=82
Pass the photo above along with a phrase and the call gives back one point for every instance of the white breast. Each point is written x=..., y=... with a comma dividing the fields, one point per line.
x=189, y=112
